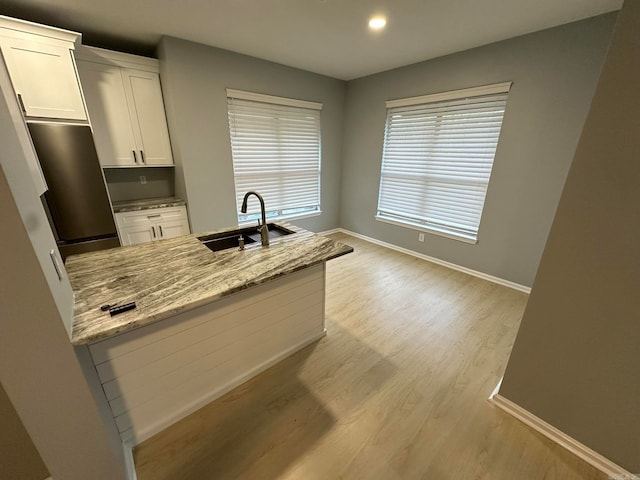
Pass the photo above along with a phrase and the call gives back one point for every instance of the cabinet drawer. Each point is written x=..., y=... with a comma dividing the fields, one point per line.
x=125, y=219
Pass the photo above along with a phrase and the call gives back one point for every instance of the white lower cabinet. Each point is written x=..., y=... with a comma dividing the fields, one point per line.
x=152, y=224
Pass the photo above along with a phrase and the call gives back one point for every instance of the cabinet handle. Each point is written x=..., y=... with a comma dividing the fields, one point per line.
x=161, y=234
x=154, y=231
x=24, y=110
x=135, y=157
x=142, y=156
x=56, y=265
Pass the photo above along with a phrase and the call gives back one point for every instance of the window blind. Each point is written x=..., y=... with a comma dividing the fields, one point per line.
x=437, y=159
x=275, y=144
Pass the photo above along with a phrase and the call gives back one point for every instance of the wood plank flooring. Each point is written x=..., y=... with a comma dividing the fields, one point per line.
x=396, y=390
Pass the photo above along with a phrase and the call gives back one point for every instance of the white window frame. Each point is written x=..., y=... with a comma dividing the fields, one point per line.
x=434, y=175
x=298, y=119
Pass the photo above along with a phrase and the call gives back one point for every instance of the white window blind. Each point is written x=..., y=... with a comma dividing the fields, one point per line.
x=276, y=151
x=437, y=159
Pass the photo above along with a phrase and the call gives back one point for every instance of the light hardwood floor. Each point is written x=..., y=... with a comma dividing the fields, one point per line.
x=396, y=390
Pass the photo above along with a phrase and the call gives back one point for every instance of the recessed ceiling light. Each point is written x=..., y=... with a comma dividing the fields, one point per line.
x=377, y=23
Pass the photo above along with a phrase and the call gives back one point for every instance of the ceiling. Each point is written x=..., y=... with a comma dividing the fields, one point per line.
x=330, y=37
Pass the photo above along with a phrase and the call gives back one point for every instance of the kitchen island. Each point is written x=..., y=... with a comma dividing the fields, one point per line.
x=205, y=321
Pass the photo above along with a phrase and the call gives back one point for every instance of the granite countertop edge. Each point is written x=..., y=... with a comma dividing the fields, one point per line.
x=143, y=273
x=147, y=204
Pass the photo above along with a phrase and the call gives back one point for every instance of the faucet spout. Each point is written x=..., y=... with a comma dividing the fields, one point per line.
x=264, y=231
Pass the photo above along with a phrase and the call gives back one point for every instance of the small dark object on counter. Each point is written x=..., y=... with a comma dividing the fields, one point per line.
x=106, y=307
x=122, y=308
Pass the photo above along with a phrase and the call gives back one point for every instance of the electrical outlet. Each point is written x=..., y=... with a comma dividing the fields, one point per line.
x=143, y=180
x=421, y=237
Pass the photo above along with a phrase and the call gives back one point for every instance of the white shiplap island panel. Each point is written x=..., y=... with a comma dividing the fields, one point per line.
x=155, y=375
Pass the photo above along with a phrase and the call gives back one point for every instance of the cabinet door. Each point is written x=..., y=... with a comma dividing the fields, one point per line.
x=45, y=79
x=173, y=222
x=140, y=233
x=173, y=228
x=107, y=104
x=135, y=227
x=22, y=135
x=146, y=106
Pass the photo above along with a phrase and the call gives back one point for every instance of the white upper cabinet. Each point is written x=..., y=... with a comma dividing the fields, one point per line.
x=22, y=135
x=147, y=116
x=107, y=103
x=125, y=104
x=40, y=62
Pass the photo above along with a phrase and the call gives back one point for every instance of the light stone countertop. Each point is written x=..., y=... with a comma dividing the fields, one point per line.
x=147, y=203
x=170, y=276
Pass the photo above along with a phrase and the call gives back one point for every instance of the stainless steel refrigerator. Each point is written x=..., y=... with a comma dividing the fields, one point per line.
x=77, y=201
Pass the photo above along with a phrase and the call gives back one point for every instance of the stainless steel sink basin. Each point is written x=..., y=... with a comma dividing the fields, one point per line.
x=274, y=231
x=231, y=239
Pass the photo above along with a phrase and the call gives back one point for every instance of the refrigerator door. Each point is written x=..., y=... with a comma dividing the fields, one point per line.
x=77, y=196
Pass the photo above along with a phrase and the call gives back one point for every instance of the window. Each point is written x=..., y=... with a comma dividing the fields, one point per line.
x=276, y=152
x=437, y=159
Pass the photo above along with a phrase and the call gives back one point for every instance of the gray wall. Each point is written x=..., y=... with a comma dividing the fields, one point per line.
x=124, y=183
x=575, y=359
x=194, y=78
x=19, y=458
x=554, y=73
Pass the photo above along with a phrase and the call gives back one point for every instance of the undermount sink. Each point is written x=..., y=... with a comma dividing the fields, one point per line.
x=231, y=239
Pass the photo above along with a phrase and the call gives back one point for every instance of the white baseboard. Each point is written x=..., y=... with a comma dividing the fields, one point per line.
x=128, y=461
x=497, y=389
x=453, y=266
x=329, y=232
x=603, y=464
